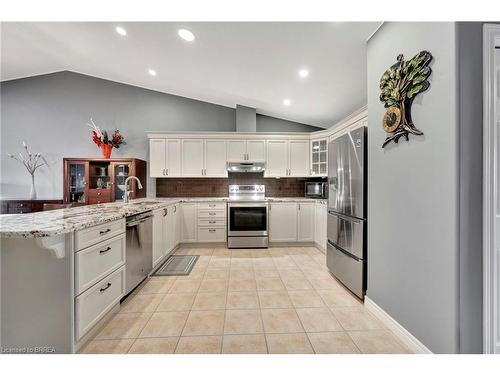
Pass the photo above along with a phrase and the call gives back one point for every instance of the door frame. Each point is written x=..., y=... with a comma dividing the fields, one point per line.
x=491, y=40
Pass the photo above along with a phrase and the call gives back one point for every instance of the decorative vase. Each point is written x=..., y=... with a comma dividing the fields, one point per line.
x=106, y=150
x=32, y=190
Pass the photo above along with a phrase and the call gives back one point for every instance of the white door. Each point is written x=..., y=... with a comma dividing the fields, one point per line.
x=188, y=222
x=173, y=162
x=277, y=158
x=157, y=157
x=215, y=158
x=491, y=189
x=236, y=150
x=192, y=158
x=306, y=221
x=256, y=150
x=157, y=236
x=298, y=158
x=283, y=222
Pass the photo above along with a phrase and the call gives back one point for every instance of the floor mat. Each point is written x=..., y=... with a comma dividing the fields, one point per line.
x=177, y=265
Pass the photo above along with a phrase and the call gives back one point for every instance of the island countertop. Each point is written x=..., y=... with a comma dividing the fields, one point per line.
x=52, y=223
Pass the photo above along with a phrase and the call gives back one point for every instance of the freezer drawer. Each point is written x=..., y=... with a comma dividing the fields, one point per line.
x=348, y=270
x=347, y=233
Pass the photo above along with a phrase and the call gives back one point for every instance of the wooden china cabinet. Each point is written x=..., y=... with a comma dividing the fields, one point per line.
x=93, y=181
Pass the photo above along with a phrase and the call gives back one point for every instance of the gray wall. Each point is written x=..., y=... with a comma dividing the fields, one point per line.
x=424, y=232
x=50, y=113
x=245, y=119
x=273, y=124
x=413, y=196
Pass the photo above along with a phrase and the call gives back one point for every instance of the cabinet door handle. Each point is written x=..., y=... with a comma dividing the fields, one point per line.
x=167, y=171
x=165, y=212
x=106, y=287
x=175, y=209
x=104, y=231
x=104, y=250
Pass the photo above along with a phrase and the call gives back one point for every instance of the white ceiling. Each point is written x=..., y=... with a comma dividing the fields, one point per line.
x=253, y=64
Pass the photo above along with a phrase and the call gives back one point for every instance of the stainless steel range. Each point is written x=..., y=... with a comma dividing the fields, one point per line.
x=247, y=221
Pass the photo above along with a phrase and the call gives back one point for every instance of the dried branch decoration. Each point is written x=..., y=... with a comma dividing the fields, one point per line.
x=32, y=161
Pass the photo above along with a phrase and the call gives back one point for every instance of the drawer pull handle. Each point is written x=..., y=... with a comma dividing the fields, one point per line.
x=104, y=289
x=212, y=221
x=104, y=250
x=211, y=213
x=211, y=230
x=211, y=205
x=104, y=231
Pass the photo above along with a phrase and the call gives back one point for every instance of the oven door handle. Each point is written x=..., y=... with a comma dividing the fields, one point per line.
x=247, y=204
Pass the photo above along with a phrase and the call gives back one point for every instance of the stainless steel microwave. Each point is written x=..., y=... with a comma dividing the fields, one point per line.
x=318, y=190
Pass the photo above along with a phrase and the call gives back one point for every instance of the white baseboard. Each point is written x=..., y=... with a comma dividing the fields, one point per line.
x=399, y=331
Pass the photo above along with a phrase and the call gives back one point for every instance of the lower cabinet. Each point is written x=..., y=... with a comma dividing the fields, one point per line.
x=188, y=222
x=283, y=221
x=166, y=231
x=320, y=224
x=305, y=226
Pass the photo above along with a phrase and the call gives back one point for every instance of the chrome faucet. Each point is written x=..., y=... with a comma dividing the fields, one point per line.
x=126, y=192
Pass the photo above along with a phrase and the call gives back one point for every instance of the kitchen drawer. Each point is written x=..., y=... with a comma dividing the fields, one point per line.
x=212, y=234
x=212, y=206
x=211, y=214
x=93, y=235
x=94, y=303
x=95, y=262
x=205, y=222
x=97, y=196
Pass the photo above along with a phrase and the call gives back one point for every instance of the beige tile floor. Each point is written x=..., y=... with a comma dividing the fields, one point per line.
x=278, y=300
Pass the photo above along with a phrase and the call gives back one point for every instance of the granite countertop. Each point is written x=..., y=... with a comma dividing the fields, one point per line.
x=52, y=223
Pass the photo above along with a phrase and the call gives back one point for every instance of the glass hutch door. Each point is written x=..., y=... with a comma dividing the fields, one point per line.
x=77, y=182
x=120, y=172
x=319, y=157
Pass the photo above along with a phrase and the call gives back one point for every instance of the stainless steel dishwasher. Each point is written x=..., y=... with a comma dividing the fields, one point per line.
x=139, y=253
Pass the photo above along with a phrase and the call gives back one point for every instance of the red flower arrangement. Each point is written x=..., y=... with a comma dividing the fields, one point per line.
x=103, y=141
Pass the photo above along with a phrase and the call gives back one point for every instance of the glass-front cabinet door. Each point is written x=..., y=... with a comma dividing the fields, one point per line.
x=120, y=173
x=319, y=151
x=76, y=183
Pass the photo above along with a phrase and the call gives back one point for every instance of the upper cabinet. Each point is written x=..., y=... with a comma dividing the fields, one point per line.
x=204, y=158
x=287, y=158
x=165, y=157
x=243, y=150
x=319, y=157
x=215, y=158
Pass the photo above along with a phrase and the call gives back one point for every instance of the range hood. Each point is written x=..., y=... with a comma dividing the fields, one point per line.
x=246, y=167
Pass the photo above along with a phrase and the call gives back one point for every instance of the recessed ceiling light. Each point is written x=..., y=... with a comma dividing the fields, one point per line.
x=186, y=34
x=152, y=72
x=303, y=73
x=287, y=102
x=120, y=30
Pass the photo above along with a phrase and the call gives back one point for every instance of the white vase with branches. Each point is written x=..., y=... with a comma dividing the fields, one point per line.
x=32, y=162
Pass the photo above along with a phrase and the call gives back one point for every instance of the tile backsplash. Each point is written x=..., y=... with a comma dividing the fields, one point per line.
x=218, y=187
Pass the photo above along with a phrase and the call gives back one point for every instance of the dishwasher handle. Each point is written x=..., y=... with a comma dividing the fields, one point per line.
x=137, y=222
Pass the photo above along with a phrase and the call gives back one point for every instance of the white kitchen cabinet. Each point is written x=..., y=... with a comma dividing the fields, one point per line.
x=177, y=220
x=283, y=222
x=173, y=162
x=298, y=158
x=158, y=237
x=287, y=158
x=192, y=157
x=306, y=213
x=319, y=157
x=157, y=157
x=189, y=222
x=246, y=150
x=277, y=158
x=256, y=150
x=236, y=150
x=168, y=229
x=320, y=224
x=215, y=158
x=165, y=157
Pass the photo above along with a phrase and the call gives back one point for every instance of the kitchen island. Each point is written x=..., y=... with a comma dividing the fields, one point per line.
x=62, y=271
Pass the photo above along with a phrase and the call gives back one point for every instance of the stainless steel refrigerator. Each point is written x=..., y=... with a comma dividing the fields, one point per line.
x=346, y=247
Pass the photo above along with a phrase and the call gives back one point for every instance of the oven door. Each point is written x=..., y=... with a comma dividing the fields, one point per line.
x=247, y=219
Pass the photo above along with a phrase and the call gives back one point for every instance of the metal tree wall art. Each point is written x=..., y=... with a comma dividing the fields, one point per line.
x=400, y=84
x=32, y=162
